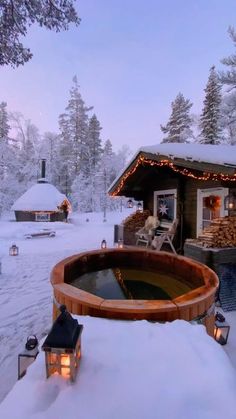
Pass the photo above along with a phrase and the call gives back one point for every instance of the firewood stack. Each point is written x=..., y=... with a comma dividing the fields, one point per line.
x=220, y=233
x=136, y=221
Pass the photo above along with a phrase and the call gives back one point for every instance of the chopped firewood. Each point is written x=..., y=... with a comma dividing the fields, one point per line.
x=136, y=220
x=220, y=233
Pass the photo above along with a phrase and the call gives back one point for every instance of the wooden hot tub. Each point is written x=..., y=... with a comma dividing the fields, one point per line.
x=188, y=306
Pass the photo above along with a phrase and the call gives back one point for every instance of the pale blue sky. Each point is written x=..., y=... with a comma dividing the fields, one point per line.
x=131, y=58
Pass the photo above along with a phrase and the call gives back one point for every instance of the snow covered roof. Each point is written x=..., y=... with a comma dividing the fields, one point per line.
x=40, y=197
x=224, y=155
x=219, y=155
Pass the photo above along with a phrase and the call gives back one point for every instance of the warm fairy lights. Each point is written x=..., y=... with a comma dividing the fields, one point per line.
x=166, y=163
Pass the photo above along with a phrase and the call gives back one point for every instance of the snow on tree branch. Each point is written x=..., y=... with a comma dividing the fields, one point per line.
x=15, y=18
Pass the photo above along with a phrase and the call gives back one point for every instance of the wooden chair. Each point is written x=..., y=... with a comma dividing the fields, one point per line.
x=166, y=236
x=146, y=233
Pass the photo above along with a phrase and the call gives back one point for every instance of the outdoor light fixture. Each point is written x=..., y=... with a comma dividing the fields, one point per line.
x=230, y=202
x=14, y=250
x=130, y=203
x=103, y=244
x=62, y=346
x=221, y=330
x=120, y=244
x=139, y=207
x=28, y=355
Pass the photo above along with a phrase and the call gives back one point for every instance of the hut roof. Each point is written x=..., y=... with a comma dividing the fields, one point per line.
x=40, y=197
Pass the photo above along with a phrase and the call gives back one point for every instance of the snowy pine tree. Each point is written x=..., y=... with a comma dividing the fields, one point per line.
x=65, y=158
x=4, y=125
x=210, y=117
x=94, y=141
x=228, y=118
x=77, y=128
x=6, y=151
x=8, y=162
x=229, y=77
x=178, y=128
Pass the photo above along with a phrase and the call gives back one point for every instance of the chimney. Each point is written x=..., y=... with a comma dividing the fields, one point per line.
x=43, y=172
x=43, y=168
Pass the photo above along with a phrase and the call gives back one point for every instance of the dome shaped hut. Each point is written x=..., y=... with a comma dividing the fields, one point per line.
x=41, y=202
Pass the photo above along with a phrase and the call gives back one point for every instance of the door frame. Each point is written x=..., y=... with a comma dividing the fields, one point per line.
x=223, y=192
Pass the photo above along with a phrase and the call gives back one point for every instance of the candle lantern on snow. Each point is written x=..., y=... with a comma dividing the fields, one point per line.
x=221, y=331
x=14, y=250
x=120, y=244
x=130, y=203
x=62, y=346
x=28, y=355
x=139, y=207
x=103, y=244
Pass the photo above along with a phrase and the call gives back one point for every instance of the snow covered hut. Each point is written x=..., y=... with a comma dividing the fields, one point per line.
x=41, y=202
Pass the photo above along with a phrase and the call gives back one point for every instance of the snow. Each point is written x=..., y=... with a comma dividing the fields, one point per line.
x=128, y=369
x=40, y=197
x=215, y=154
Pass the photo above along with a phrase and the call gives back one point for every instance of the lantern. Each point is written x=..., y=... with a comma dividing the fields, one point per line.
x=62, y=346
x=28, y=355
x=130, y=203
x=221, y=330
x=139, y=207
x=230, y=202
x=14, y=250
x=120, y=244
x=103, y=244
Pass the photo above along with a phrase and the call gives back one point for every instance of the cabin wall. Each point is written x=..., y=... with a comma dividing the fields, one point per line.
x=30, y=216
x=186, y=198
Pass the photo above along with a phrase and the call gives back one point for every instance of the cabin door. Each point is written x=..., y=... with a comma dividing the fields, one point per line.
x=210, y=205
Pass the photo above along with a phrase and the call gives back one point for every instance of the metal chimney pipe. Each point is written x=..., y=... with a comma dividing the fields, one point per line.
x=43, y=168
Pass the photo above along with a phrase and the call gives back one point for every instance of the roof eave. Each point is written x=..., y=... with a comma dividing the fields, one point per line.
x=185, y=163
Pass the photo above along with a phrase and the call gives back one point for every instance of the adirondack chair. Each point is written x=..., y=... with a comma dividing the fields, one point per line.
x=165, y=236
x=146, y=233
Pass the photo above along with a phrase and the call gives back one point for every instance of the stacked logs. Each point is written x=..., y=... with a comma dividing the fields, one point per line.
x=136, y=221
x=220, y=233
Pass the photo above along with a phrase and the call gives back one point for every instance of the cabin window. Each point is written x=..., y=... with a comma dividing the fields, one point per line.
x=42, y=216
x=165, y=205
x=206, y=212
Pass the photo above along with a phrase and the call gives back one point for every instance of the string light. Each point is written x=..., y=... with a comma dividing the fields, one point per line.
x=166, y=163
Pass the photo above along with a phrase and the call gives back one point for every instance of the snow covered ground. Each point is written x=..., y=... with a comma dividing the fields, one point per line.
x=133, y=370
x=25, y=290
x=177, y=371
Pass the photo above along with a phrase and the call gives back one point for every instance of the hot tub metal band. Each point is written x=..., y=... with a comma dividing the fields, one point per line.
x=199, y=319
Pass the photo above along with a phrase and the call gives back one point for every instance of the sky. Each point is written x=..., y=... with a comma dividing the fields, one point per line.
x=131, y=58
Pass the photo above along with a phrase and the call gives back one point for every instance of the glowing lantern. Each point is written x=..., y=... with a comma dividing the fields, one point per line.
x=62, y=346
x=221, y=331
x=230, y=202
x=139, y=207
x=130, y=203
x=14, y=250
x=103, y=244
x=120, y=244
x=28, y=355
